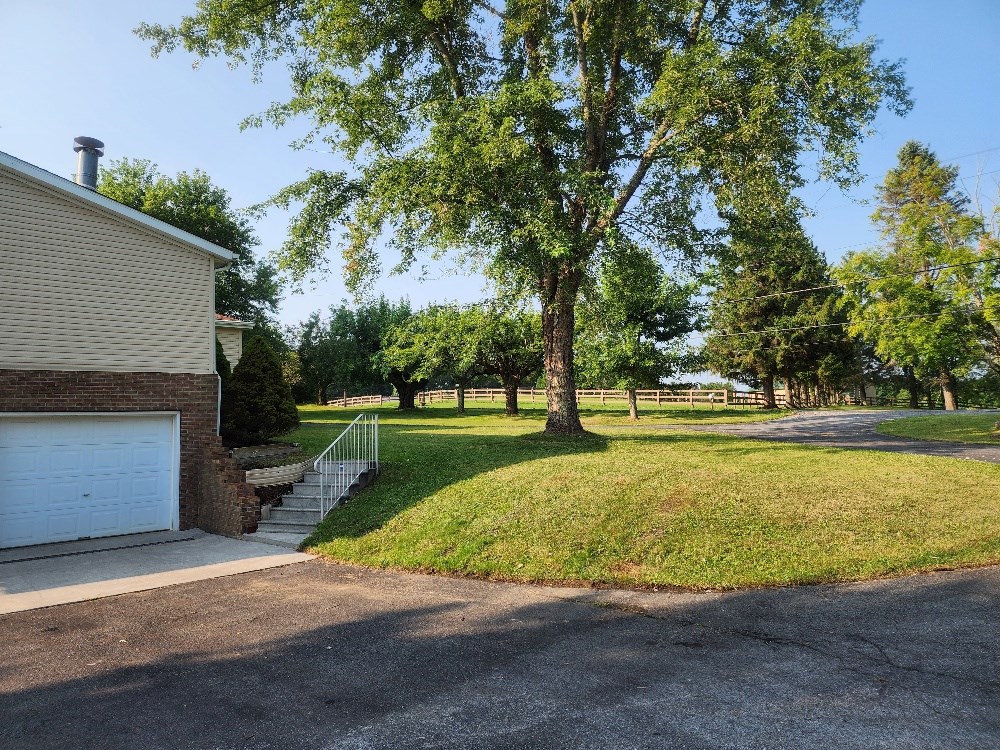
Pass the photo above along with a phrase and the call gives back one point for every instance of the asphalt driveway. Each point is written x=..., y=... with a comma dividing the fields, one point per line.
x=318, y=655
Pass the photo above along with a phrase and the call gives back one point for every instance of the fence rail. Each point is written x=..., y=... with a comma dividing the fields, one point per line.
x=376, y=400
x=692, y=398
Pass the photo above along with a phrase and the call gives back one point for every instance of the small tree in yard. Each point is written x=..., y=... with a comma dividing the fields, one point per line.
x=404, y=357
x=454, y=345
x=511, y=349
x=258, y=404
x=628, y=331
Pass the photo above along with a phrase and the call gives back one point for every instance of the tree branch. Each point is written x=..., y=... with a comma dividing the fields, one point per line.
x=695, y=28
x=489, y=9
x=586, y=95
x=614, y=78
x=661, y=136
x=443, y=50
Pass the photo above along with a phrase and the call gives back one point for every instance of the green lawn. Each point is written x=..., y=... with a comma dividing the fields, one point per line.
x=958, y=428
x=490, y=496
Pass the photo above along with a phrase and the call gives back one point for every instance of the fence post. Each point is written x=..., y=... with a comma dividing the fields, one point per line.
x=691, y=398
x=658, y=396
x=725, y=399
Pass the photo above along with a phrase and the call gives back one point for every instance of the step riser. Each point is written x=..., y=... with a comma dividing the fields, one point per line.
x=286, y=528
x=294, y=515
x=290, y=501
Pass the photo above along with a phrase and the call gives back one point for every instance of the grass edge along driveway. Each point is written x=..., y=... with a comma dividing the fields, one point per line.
x=951, y=428
x=491, y=497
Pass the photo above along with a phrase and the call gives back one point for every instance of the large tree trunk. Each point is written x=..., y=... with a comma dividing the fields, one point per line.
x=558, y=323
x=407, y=393
x=460, y=397
x=948, y=391
x=633, y=407
x=510, y=398
x=768, y=385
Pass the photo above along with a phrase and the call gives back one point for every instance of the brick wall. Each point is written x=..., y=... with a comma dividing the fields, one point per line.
x=213, y=492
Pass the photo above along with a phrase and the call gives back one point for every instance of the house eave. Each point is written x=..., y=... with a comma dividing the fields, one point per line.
x=92, y=199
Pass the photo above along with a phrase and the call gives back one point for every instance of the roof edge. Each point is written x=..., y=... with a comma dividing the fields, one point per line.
x=61, y=184
x=241, y=324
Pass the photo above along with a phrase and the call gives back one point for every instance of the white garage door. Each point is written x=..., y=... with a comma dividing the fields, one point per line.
x=81, y=476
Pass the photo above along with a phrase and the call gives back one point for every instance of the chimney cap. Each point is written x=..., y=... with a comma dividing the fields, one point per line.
x=86, y=143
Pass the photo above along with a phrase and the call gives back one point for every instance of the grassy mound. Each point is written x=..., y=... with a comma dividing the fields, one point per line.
x=489, y=496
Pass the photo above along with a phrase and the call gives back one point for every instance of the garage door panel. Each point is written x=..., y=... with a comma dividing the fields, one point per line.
x=18, y=463
x=18, y=530
x=118, y=477
x=63, y=526
x=62, y=493
x=21, y=496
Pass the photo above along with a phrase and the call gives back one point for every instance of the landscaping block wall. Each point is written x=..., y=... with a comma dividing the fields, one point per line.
x=213, y=493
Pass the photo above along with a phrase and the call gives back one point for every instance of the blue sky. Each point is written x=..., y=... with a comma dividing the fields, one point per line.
x=73, y=69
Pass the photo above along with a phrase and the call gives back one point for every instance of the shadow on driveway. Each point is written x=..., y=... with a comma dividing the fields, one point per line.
x=326, y=656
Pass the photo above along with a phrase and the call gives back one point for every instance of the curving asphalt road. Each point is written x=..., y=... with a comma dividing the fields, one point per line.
x=854, y=430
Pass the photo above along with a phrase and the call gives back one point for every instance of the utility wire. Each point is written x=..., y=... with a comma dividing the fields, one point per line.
x=973, y=153
x=966, y=308
x=845, y=284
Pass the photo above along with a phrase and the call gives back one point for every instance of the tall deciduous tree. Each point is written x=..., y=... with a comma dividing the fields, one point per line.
x=404, y=357
x=916, y=298
x=629, y=330
x=529, y=135
x=247, y=289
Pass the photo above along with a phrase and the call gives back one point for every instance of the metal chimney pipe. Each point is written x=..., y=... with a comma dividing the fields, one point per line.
x=89, y=150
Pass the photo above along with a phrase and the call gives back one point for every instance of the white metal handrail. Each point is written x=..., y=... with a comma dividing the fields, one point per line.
x=351, y=455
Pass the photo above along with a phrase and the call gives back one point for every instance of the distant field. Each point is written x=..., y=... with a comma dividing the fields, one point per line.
x=490, y=496
x=958, y=428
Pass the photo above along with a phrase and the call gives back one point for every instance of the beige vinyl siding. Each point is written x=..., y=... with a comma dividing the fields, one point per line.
x=83, y=290
x=232, y=343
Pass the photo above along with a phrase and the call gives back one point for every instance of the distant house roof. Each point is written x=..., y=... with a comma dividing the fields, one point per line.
x=80, y=194
x=227, y=321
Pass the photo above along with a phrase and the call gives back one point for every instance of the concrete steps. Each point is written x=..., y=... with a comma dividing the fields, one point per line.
x=299, y=513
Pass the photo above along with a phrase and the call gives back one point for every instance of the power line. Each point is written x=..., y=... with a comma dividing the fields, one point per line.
x=835, y=325
x=973, y=153
x=856, y=281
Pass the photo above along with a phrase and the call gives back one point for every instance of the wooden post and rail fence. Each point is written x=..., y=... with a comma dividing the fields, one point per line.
x=688, y=397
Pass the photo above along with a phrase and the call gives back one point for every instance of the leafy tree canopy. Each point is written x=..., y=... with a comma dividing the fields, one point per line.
x=247, y=289
x=337, y=353
x=529, y=135
x=920, y=299
x=630, y=330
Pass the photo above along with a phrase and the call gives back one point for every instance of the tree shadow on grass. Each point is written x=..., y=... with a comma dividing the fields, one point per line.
x=418, y=465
